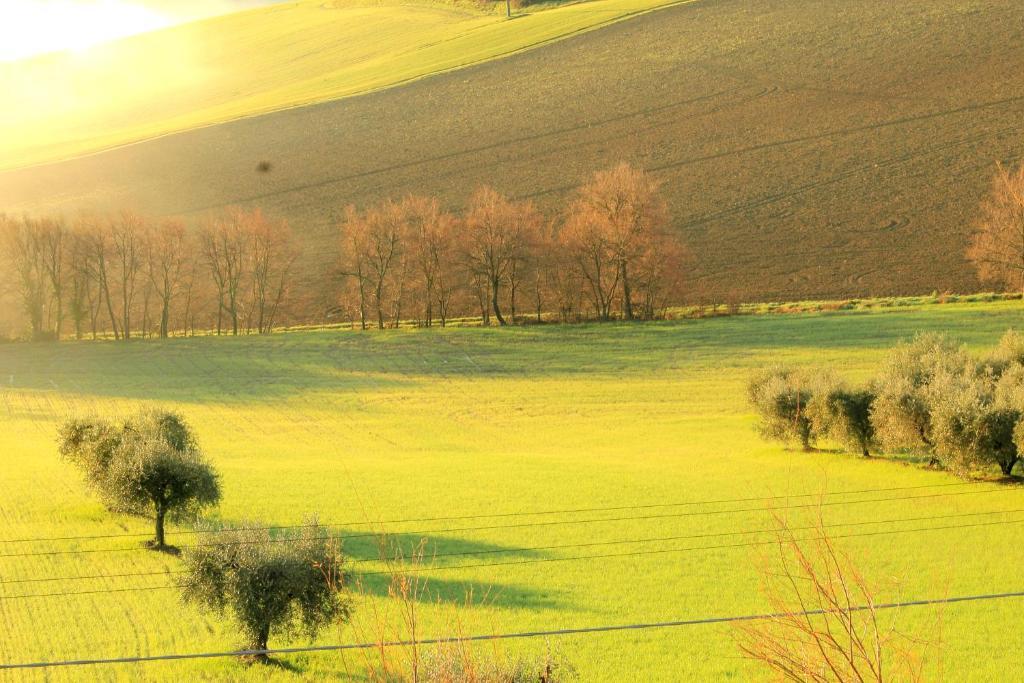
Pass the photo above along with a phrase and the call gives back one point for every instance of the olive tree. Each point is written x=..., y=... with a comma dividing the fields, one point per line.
x=148, y=465
x=1007, y=354
x=971, y=427
x=901, y=413
x=844, y=414
x=270, y=585
x=781, y=396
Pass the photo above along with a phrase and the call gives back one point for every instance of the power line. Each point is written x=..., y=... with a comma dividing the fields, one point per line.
x=539, y=560
x=522, y=634
x=515, y=525
x=518, y=525
x=463, y=553
x=508, y=514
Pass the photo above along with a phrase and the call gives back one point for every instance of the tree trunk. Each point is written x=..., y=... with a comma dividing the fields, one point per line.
x=126, y=312
x=165, y=318
x=262, y=640
x=627, y=294
x=1007, y=466
x=379, y=295
x=110, y=308
x=160, y=513
x=494, y=301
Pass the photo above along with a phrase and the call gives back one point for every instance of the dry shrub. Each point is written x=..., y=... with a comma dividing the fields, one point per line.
x=825, y=624
x=455, y=660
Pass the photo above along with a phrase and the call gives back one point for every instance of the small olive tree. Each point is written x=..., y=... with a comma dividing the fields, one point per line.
x=844, y=414
x=148, y=465
x=901, y=413
x=270, y=585
x=781, y=396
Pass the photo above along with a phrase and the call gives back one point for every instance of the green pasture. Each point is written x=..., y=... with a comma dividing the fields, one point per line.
x=365, y=428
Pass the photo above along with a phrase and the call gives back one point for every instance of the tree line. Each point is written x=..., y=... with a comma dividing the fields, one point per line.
x=930, y=398
x=608, y=255
x=125, y=276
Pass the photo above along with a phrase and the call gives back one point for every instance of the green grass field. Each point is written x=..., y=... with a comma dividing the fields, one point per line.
x=277, y=57
x=363, y=427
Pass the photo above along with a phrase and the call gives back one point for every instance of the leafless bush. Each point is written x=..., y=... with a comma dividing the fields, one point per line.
x=825, y=625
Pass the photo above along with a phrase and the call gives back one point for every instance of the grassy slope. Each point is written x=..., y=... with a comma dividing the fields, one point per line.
x=258, y=61
x=806, y=148
x=481, y=421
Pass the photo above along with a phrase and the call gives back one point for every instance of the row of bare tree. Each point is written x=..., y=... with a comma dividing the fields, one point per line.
x=608, y=255
x=125, y=276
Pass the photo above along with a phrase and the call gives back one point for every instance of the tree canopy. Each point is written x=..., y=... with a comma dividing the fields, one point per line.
x=147, y=465
x=271, y=585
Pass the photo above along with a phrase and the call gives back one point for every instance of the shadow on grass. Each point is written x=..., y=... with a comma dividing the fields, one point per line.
x=373, y=566
x=373, y=562
x=166, y=549
x=264, y=368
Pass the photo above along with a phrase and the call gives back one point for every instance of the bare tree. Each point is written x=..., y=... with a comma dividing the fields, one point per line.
x=272, y=256
x=24, y=252
x=375, y=242
x=660, y=274
x=224, y=243
x=126, y=240
x=593, y=258
x=97, y=249
x=623, y=206
x=52, y=235
x=522, y=264
x=167, y=254
x=430, y=233
x=83, y=293
x=354, y=257
x=496, y=234
x=997, y=246
x=190, y=282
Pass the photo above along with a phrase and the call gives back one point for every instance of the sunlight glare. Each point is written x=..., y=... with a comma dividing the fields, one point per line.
x=31, y=27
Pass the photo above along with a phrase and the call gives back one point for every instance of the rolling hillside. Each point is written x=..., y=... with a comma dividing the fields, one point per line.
x=266, y=59
x=807, y=148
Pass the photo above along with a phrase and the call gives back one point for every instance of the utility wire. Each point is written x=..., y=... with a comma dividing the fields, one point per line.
x=463, y=553
x=518, y=525
x=572, y=558
x=522, y=634
x=509, y=514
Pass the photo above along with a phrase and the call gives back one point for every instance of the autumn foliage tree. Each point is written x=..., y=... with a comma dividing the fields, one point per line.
x=619, y=219
x=498, y=237
x=997, y=246
x=431, y=233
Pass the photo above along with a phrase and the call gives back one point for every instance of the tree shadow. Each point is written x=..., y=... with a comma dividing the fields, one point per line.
x=278, y=663
x=166, y=549
x=374, y=564
x=373, y=559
